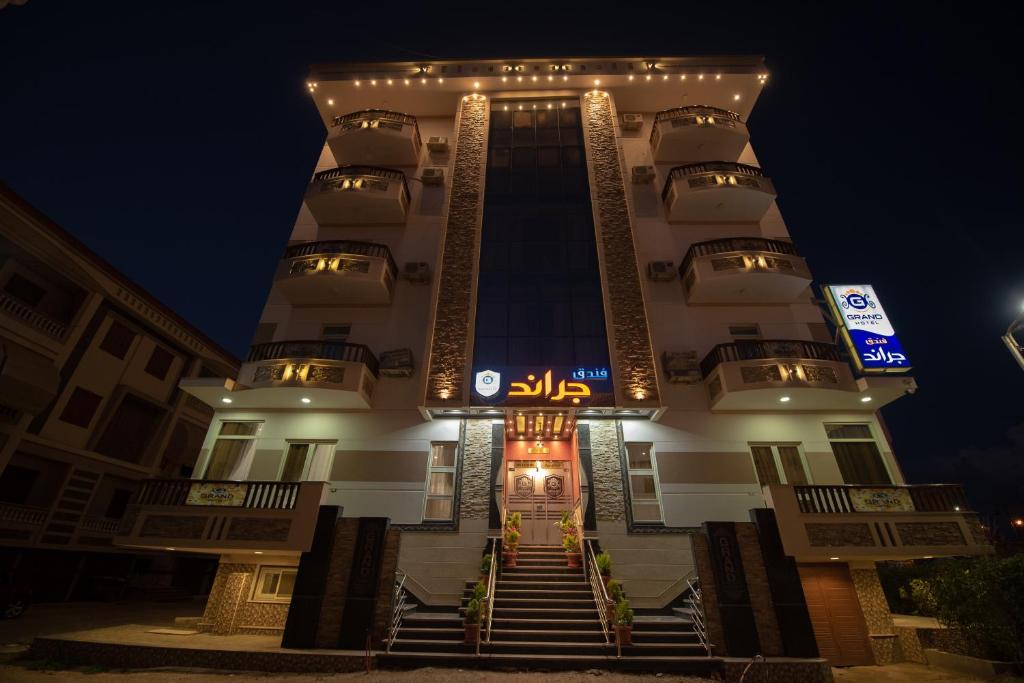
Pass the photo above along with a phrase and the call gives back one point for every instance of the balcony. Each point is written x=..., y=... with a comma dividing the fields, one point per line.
x=697, y=133
x=375, y=136
x=358, y=195
x=744, y=270
x=222, y=516
x=335, y=273
x=295, y=375
x=792, y=375
x=824, y=523
x=21, y=524
x=717, y=192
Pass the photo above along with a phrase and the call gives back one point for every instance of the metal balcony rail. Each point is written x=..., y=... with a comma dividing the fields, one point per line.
x=706, y=167
x=342, y=247
x=103, y=525
x=22, y=514
x=318, y=349
x=378, y=114
x=363, y=172
x=29, y=316
x=696, y=604
x=836, y=499
x=762, y=349
x=693, y=113
x=398, y=602
x=259, y=495
x=732, y=244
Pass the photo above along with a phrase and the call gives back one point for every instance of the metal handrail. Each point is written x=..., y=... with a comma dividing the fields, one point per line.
x=314, y=348
x=696, y=603
x=362, y=171
x=397, y=612
x=694, y=112
x=835, y=498
x=492, y=575
x=735, y=244
x=706, y=167
x=601, y=599
x=342, y=248
x=259, y=494
x=762, y=349
x=383, y=114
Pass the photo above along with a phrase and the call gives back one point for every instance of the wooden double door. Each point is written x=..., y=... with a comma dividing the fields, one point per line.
x=540, y=494
x=836, y=616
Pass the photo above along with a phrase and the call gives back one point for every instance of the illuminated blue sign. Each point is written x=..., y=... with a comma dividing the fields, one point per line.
x=867, y=331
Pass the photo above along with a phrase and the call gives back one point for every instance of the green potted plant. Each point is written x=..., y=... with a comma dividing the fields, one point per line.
x=604, y=566
x=472, y=622
x=616, y=595
x=572, y=550
x=510, y=547
x=515, y=520
x=624, y=622
x=485, y=566
x=567, y=525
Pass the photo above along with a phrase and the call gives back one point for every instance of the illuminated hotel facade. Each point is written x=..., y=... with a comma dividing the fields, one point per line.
x=545, y=286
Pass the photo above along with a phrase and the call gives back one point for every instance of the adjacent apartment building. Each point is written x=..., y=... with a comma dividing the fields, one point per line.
x=545, y=286
x=89, y=405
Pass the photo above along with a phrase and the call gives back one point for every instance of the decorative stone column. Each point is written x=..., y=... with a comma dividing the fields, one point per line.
x=626, y=318
x=452, y=338
x=881, y=631
x=606, y=487
x=476, y=471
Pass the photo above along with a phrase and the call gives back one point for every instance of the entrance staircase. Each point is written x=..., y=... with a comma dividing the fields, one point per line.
x=545, y=617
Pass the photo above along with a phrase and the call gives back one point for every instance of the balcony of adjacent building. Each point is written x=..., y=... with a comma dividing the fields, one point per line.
x=375, y=136
x=222, y=516
x=792, y=375
x=744, y=270
x=696, y=133
x=717, y=192
x=358, y=195
x=295, y=375
x=336, y=273
x=849, y=523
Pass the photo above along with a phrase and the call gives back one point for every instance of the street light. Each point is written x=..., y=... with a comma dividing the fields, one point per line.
x=1016, y=350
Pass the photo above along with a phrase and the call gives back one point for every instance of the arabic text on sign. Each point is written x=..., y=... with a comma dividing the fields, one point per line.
x=544, y=387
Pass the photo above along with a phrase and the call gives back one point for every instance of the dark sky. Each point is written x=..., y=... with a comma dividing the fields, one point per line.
x=176, y=140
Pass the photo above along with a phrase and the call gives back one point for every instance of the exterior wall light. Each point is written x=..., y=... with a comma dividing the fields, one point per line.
x=784, y=399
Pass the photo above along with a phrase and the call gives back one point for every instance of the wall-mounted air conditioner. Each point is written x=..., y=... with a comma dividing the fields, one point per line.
x=661, y=271
x=632, y=121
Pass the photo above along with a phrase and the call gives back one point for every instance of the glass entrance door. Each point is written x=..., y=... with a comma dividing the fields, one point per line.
x=540, y=491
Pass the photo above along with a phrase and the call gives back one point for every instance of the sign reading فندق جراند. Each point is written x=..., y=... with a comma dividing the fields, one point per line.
x=866, y=329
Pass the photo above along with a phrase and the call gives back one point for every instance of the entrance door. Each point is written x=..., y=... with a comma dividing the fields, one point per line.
x=540, y=495
x=836, y=616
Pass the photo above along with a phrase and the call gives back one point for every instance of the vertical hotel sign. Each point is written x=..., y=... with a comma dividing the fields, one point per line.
x=866, y=329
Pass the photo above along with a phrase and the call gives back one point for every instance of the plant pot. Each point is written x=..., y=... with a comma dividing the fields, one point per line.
x=611, y=612
x=624, y=634
x=574, y=559
x=508, y=560
x=472, y=634
x=606, y=578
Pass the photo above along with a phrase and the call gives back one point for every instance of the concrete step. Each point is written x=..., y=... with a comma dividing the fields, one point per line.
x=542, y=576
x=560, y=635
x=549, y=623
x=704, y=667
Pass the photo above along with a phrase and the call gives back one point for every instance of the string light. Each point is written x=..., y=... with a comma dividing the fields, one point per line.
x=718, y=77
x=630, y=76
x=373, y=82
x=330, y=102
x=648, y=77
x=358, y=84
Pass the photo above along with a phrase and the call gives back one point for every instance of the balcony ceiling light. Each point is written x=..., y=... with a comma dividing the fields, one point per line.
x=784, y=399
x=736, y=97
x=225, y=400
x=833, y=558
x=866, y=399
x=330, y=102
x=700, y=77
x=718, y=77
x=306, y=400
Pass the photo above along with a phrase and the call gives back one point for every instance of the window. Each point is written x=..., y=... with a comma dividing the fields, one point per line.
x=337, y=333
x=131, y=429
x=779, y=464
x=275, y=584
x=159, y=362
x=643, y=482
x=307, y=462
x=440, y=499
x=232, y=451
x=24, y=290
x=118, y=502
x=745, y=331
x=80, y=408
x=118, y=340
x=857, y=454
x=16, y=484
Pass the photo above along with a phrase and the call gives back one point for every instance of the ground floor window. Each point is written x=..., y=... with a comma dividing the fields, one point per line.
x=275, y=584
x=779, y=464
x=644, y=491
x=440, y=498
x=857, y=454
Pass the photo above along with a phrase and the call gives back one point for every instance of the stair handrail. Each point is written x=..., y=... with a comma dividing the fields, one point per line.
x=577, y=518
x=397, y=610
x=696, y=603
x=489, y=597
x=597, y=587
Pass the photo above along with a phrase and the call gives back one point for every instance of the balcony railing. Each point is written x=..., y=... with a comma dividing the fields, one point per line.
x=363, y=172
x=102, y=525
x=732, y=244
x=27, y=315
x=765, y=349
x=695, y=115
x=837, y=500
x=357, y=117
x=323, y=350
x=709, y=167
x=342, y=247
x=256, y=495
x=22, y=514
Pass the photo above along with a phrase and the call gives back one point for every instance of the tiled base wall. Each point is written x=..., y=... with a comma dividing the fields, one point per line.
x=229, y=610
x=811, y=671
x=881, y=633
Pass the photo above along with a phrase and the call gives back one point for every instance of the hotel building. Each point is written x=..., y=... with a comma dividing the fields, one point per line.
x=545, y=286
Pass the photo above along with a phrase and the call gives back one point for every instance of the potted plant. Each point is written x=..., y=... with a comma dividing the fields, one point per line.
x=510, y=547
x=567, y=525
x=515, y=520
x=624, y=622
x=616, y=595
x=472, y=622
x=572, y=550
x=604, y=566
x=485, y=566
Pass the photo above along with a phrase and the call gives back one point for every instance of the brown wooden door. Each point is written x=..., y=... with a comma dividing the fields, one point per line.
x=836, y=616
x=540, y=495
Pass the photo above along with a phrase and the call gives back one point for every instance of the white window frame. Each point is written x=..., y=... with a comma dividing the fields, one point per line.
x=893, y=479
x=261, y=572
x=314, y=445
x=652, y=471
x=777, y=459
x=245, y=464
x=431, y=469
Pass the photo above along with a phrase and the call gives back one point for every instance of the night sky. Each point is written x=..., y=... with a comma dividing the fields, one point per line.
x=176, y=140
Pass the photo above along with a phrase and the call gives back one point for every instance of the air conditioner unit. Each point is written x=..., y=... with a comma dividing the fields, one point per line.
x=643, y=175
x=434, y=175
x=396, y=363
x=632, y=121
x=437, y=144
x=417, y=272
x=661, y=271
x=681, y=367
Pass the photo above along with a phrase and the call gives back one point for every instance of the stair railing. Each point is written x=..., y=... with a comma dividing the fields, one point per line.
x=488, y=604
x=398, y=600
x=696, y=604
x=577, y=518
x=601, y=599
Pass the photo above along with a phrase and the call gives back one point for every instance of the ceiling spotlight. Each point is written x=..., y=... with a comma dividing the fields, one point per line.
x=330, y=102
x=866, y=399
x=225, y=400
x=784, y=399
x=306, y=400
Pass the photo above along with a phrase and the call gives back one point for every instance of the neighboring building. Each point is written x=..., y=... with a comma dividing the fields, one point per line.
x=89, y=406
x=546, y=286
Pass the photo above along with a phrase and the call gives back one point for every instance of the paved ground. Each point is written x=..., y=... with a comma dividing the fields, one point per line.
x=52, y=618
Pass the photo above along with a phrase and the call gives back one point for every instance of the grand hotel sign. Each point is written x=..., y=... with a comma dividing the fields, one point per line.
x=558, y=387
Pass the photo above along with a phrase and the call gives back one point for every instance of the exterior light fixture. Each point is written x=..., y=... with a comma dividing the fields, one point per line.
x=784, y=399
x=736, y=97
x=306, y=400
x=168, y=548
x=630, y=76
x=956, y=508
x=718, y=77
x=373, y=82
x=257, y=552
x=407, y=81
x=389, y=81
x=533, y=78
x=665, y=77
x=866, y=399
x=504, y=79
x=1018, y=522
x=639, y=395
x=225, y=400
x=597, y=82
x=833, y=558
x=358, y=84
x=550, y=77
x=519, y=79
x=476, y=84
x=648, y=77
x=330, y=102
x=682, y=77
x=565, y=78
x=700, y=77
